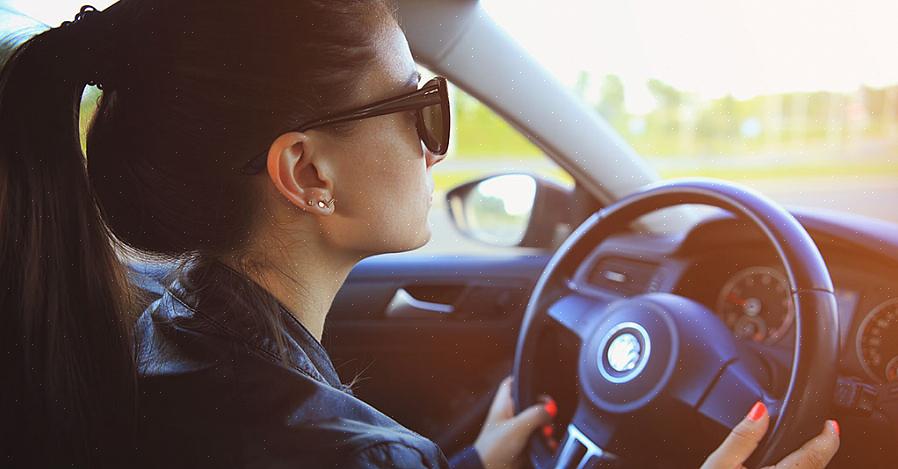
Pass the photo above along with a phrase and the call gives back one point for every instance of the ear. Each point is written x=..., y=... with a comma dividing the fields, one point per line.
x=294, y=172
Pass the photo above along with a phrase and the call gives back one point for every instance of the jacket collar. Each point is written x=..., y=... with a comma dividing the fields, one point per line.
x=229, y=300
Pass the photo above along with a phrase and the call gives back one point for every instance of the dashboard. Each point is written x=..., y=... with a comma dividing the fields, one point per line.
x=753, y=300
x=725, y=264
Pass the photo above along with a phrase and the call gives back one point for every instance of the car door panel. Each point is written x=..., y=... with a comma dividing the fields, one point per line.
x=433, y=366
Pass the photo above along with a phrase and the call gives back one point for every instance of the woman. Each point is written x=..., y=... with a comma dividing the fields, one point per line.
x=226, y=369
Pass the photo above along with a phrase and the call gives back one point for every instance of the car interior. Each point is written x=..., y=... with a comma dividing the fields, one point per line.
x=739, y=300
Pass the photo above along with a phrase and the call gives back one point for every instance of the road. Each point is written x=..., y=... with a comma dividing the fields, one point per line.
x=875, y=196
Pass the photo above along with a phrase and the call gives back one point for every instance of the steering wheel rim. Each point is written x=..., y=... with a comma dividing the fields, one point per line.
x=812, y=377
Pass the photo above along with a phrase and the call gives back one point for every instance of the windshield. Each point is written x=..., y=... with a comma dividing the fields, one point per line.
x=797, y=99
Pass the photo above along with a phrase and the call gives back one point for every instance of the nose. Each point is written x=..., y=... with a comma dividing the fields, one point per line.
x=431, y=158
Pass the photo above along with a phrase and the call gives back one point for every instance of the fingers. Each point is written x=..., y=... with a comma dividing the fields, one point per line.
x=533, y=417
x=548, y=430
x=742, y=440
x=817, y=452
x=522, y=425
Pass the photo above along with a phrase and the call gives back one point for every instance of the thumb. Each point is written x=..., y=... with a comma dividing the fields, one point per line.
x=742, y=440
x=502, y=407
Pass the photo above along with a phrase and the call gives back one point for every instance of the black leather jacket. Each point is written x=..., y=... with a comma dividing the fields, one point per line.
x=214, y=393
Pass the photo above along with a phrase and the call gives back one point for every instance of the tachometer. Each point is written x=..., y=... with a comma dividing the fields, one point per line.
x=756, y=305
x=877, y=342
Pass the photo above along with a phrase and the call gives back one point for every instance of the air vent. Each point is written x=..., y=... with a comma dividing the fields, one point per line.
x=623, y=276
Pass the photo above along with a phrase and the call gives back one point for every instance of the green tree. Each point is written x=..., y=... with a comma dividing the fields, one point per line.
x=664, y=121
x=611, y=102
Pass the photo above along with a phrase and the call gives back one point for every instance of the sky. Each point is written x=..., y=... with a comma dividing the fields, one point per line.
x=708, y=47
x=712, y=47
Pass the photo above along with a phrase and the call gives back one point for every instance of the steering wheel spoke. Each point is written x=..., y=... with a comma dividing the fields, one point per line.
x=578, y=314
x=578, y=451
x=584, y=442
x=730, y=397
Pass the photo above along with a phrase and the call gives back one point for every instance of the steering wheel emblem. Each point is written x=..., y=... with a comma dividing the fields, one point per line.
x=624, y=352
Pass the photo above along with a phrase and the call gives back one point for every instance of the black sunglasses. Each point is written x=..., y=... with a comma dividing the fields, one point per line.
x=431, y=104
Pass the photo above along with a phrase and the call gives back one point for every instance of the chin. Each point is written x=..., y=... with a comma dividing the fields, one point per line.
x=410, y=244
x=426, y=235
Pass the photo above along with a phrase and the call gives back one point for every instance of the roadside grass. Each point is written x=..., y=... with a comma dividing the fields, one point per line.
x=445, y=179
x=482, y=136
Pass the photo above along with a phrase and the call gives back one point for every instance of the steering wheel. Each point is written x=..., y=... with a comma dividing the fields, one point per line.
x=659, y=362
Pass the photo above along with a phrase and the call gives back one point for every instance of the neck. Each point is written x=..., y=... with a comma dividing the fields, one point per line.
x=306, y=280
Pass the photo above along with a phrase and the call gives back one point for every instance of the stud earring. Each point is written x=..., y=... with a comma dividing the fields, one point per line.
x=321, y=203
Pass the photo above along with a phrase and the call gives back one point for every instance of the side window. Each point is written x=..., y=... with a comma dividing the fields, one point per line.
x=481, y=144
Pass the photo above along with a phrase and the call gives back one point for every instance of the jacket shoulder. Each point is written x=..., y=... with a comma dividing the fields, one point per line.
x=392, y=454
x=173, y=339
x=355, y=443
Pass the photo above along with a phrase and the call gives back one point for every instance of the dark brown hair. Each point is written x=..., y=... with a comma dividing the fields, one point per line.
x=191, y=90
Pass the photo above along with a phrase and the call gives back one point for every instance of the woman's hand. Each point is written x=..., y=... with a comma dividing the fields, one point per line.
x=504, y=435
x=744, y=438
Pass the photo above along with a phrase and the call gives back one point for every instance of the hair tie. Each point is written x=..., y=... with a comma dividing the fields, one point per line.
x=86, y=18
x=82, y=13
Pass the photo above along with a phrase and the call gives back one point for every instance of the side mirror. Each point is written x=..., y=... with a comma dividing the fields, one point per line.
x=510, y=210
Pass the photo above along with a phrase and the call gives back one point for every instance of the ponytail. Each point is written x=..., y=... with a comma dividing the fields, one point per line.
x=66, y=350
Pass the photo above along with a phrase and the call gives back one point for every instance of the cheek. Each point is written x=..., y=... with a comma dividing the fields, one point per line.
x=385, y=177
x=394, y=155
x=396, y=186
x=382, y=193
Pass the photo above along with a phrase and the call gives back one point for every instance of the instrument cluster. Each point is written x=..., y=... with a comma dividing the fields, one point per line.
x=756, y=305
x=877, y=342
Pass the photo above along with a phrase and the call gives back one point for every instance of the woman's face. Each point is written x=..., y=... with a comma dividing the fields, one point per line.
x=380, y=169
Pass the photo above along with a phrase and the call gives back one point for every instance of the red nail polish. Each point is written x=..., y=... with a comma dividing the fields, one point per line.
x=548, y=430
x=836, y=428
x=757, y=411
x=552, y=408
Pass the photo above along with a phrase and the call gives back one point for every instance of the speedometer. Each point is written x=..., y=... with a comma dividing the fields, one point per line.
x=756, y=305
x=877, y=342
